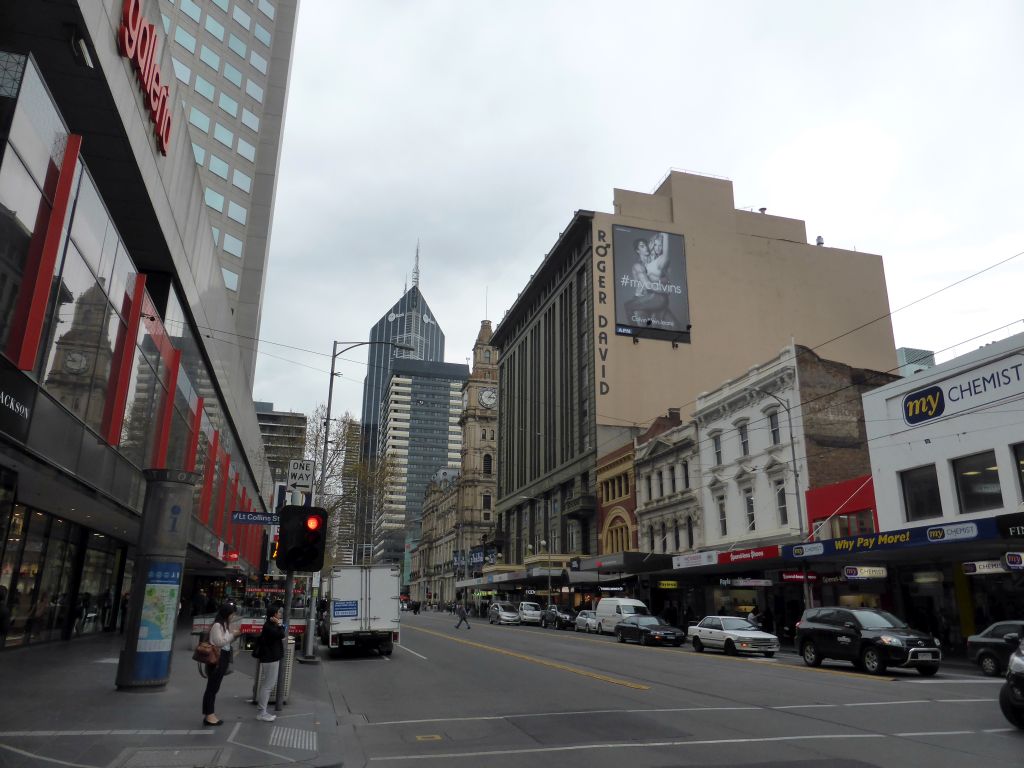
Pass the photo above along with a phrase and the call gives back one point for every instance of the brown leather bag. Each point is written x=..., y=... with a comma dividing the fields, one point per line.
x=206, y=653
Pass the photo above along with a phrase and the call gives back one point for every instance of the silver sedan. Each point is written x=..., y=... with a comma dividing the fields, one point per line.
x=586, y=621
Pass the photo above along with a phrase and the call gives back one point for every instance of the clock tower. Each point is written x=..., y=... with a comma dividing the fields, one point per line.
x=479, y=421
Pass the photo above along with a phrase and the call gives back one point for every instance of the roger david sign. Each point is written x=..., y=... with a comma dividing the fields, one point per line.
x=137, y=42
x=995, y=382
x=650, y=284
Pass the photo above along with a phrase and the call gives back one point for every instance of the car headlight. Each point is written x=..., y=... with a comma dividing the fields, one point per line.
x=891, y=640
x=937, y=643
x=1016, y=665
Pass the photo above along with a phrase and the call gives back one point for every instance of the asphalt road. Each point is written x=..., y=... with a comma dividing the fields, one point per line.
x=518, y=696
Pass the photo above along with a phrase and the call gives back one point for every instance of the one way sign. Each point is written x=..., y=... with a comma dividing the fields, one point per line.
x=300, y=475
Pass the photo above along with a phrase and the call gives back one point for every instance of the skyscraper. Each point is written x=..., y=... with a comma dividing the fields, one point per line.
x=232, y=59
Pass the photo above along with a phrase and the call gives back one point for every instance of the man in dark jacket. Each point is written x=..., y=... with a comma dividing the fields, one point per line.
x=269, y=651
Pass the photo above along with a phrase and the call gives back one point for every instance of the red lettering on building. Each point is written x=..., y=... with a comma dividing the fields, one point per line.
x=137, y=42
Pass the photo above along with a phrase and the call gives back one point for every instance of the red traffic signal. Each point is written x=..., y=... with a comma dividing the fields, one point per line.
x=302, y=539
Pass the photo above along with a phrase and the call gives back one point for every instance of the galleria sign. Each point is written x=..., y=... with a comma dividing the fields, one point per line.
x=137, y=41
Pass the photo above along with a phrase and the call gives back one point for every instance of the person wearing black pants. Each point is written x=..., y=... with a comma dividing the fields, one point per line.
x=221, y=635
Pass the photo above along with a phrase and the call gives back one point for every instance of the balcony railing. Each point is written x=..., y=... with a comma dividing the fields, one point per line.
x=579, y=506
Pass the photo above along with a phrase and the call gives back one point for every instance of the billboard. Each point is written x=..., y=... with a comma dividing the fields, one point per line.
x=651, y=298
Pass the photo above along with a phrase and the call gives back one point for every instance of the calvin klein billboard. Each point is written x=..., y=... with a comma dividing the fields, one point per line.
x=650, y=284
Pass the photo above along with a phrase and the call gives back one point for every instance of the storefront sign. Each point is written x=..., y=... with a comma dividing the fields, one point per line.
x=137, y=42
x=745, y=582
x=749, y=555
x=853, y=572
x=668, y=585
x=798, y=576
x=610, y=589
x=17, y=396
x=694, y=560
x=905, y=537
x=984, y=567
x=981, y=386
x=241, y=517
x=837, y=579
x=1014, y=561
x=611, y=560
x=1011, y=526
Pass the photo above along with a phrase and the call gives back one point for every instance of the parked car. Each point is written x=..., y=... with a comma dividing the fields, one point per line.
x=612, y=610
x=991, y=650
x=1011, y=695
x=529, y=613
x=586, y=621
x=502, y=613
x=648, y=630
x=872, y=639
x=557, y=616
x=732, y=635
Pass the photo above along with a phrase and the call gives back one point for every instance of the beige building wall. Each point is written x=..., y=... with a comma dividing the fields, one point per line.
x=754, y=285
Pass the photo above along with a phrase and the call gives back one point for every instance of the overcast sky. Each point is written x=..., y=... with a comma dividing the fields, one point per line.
x=478, y=128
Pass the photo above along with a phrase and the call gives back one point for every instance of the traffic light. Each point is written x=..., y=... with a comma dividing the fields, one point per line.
x=302, y=538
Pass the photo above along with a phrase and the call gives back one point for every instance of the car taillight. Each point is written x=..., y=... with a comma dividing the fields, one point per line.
x=797, y=625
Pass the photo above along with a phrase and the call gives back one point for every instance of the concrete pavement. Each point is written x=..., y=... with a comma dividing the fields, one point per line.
x=60, y=707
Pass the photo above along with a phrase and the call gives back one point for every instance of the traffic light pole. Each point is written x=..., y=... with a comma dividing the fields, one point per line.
x=289, y=580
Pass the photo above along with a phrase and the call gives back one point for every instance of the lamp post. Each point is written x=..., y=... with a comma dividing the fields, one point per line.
x=808, y=596
x=547, y=560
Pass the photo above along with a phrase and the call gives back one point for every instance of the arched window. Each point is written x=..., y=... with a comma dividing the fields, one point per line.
x=676, y=523
x=664, y=537
x=487, y=355
x=483, y=434
x=492, y=434
x=488, y=464
x=689, y=532
x=650, y=537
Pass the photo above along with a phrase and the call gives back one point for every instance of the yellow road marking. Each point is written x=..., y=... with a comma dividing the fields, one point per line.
x=535, y=660
x=429, y=737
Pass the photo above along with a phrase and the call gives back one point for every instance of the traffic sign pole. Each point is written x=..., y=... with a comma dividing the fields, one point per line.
x=289, y=580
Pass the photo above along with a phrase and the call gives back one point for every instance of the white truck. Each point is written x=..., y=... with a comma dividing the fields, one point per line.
x=362, y=609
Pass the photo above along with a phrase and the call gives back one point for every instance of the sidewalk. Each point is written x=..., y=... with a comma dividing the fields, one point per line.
x=59, y=705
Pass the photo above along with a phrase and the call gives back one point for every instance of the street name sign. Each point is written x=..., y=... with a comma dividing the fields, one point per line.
x=300, y=475
x=241, y=516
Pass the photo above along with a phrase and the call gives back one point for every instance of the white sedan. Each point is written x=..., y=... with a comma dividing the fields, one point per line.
x=732, y=635
x=586, y=621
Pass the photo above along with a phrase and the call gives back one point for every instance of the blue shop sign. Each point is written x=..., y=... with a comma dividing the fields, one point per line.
x=969, y=530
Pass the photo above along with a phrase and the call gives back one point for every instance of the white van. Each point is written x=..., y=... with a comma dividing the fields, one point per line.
x=612, y=610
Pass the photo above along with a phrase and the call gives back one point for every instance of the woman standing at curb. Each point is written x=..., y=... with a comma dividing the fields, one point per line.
x=269, y=652
x=221, y=635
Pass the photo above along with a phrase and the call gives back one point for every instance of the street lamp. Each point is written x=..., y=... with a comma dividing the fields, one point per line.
x=335, y=352
x=808, y=598
x=547, y=561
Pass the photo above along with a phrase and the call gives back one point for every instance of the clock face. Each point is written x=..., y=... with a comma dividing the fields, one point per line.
x=488, y=397
x=76, y=362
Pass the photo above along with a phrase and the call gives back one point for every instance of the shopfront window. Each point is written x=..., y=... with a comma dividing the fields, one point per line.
x=977, y=482
x=27, y=605
x=96, y=595
x=1018, y=458
x=55, y=598
x=921, y=493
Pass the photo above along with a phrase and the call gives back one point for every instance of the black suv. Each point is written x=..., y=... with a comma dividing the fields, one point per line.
x=873, y=640
x=558, y=617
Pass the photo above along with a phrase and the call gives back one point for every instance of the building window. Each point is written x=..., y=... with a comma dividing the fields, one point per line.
x=223, y=135
x=181, y=71
x=689, y=532
x=232, y=74
x=853, y=524
x=184, y=39
x=215, y=28
x=1018, y=456
x=716, y=444
x=748, y=504
x=204, y=88
x=487, y=501
x=254, y=90
x=744, y=440
x=209, y=58
x=262, y=35
x=230, y=279
x=190, y=9
x=266, y=8
x=723, y=518
x=676, y=524
x=686, y=475
x=921, y=493
x=214, y=199
x=247, y=150
x=232, y=245
x=199, y=119
x=650, y=492
x=488, y=464
x=249, y=120
x=487, y=517
x=218, y=166
x=242, y=181
x=258, y=62
x=222, y=4
x=977, y=482
x=228, y=104
x=650, y=538
x=664, y=537
x=661, y=484
x=236, y=45
x=241, y=17
x=492, y=434
x=780, y=502
x=200, y=154
x=773, y=427
x=672, y=478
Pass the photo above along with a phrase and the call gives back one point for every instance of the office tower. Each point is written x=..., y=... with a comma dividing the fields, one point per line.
x=231, y=60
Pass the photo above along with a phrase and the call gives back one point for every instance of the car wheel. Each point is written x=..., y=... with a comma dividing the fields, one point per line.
x=730, y=648
x=600, y=628
x=769, y=654
x=810, y=654
x=543, y=624
x=698, y=646
x=1011, y=712
x=576, y=628
x=927, y=671
x=989, y=665
x=643, y=639
x=490, y=619
x=619, y=637
x=872, y=661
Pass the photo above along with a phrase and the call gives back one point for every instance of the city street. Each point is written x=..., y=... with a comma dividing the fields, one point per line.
x=525, y=696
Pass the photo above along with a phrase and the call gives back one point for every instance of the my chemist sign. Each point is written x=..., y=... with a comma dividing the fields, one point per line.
x=982, y=386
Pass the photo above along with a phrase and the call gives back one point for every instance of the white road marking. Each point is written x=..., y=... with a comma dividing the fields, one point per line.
x=934, y=733
x=807, y=706
x=410, y=650
x=46, y=759
x=973, y=681
x=965, y=701
x=47, y=734
x=632, y=745
x=1000, y=730
x=231, y=740
x=884, y=703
